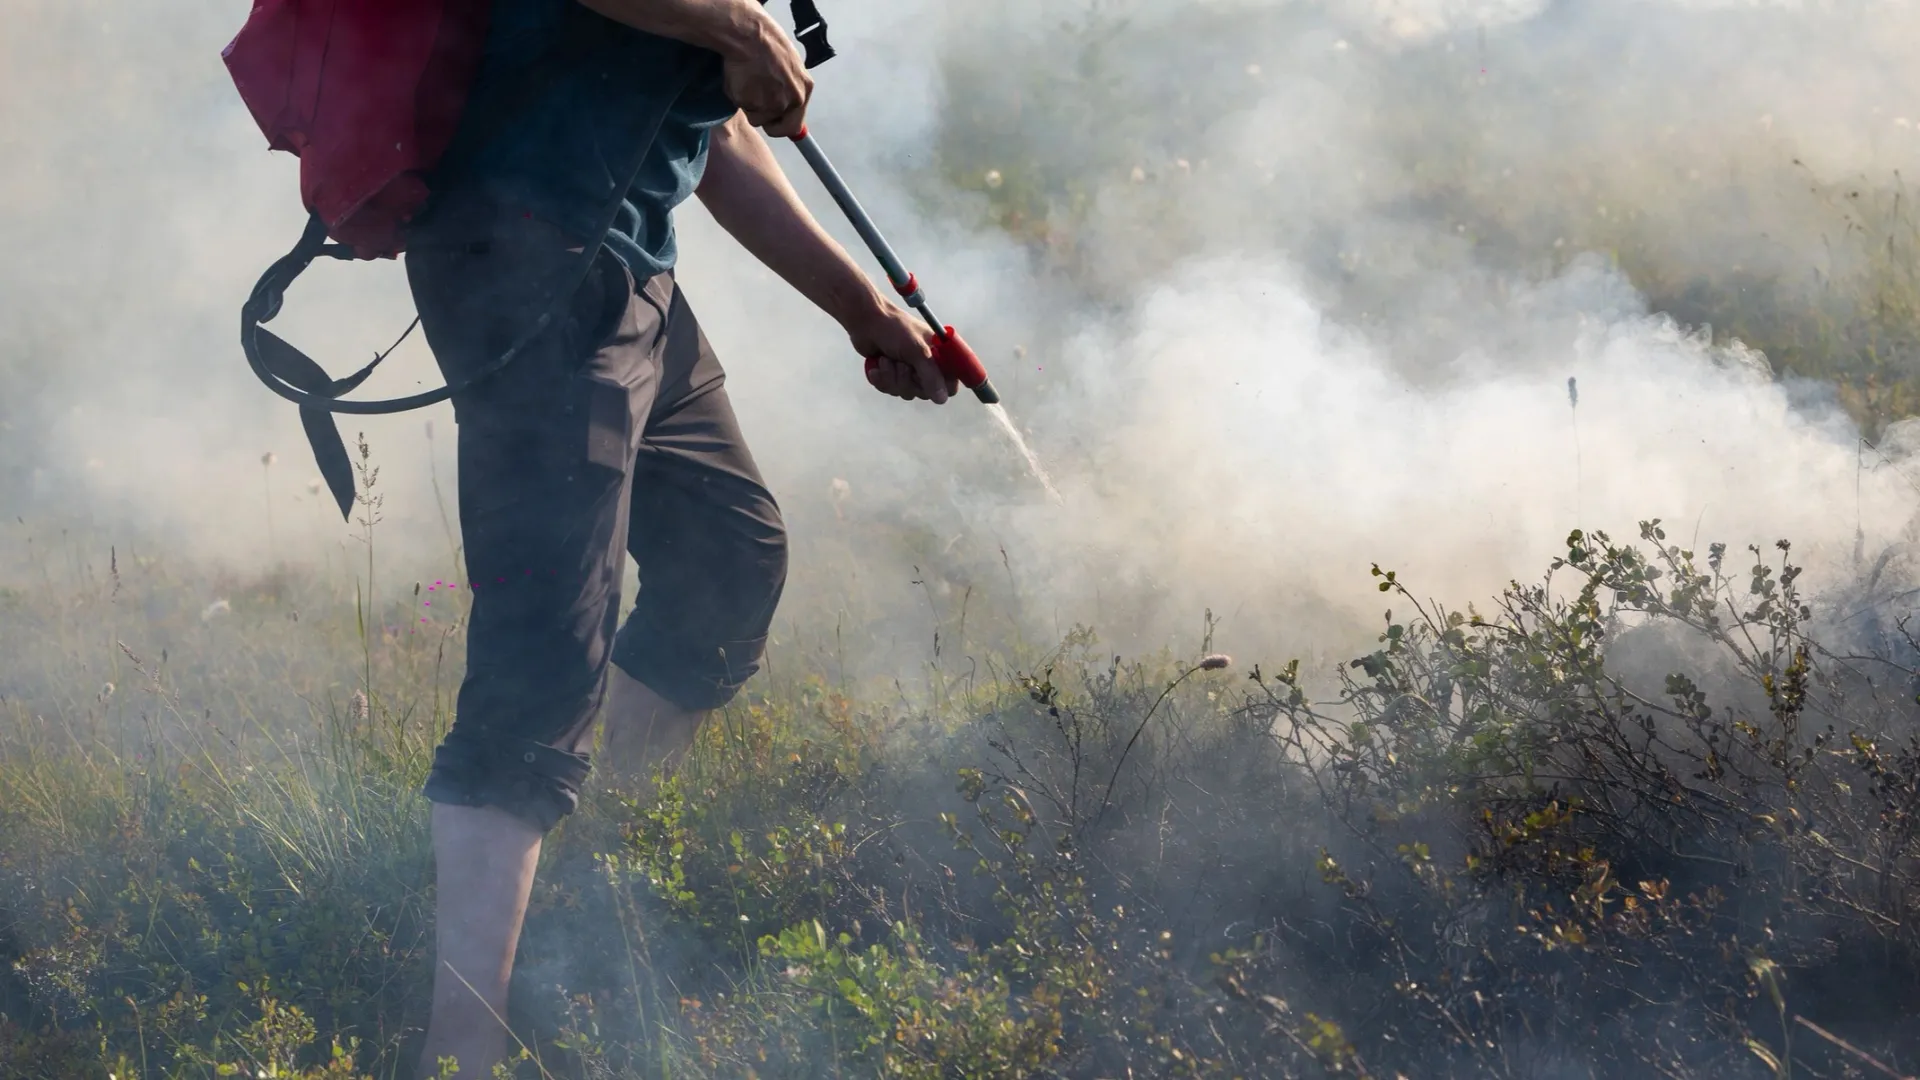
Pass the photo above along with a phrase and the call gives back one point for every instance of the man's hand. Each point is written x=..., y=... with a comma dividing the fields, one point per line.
x=899, y=348
x=767, y=78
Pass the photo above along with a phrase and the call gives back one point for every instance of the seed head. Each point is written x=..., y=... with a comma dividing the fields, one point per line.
x=1216, y=662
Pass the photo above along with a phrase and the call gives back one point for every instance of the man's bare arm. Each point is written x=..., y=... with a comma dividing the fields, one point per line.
x=765, y=75
x=748, y=194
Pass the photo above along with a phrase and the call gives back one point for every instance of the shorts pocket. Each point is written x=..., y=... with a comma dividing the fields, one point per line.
x=609, y=410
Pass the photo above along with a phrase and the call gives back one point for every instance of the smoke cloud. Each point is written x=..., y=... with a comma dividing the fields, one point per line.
x=1278, y=288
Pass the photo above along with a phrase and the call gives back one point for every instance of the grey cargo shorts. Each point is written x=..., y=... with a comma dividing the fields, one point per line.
x=611, y=434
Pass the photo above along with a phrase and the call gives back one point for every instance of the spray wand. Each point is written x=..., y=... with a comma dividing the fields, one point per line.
x=954, y=357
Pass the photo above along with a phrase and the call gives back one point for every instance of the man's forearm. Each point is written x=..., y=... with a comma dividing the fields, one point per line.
x=748, y=194
x=727, y=27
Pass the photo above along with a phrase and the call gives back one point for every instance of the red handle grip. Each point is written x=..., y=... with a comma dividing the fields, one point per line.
x=956, y=359
x=953, y=356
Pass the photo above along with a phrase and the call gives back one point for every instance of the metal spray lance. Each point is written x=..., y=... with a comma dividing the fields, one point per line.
x=953, y=356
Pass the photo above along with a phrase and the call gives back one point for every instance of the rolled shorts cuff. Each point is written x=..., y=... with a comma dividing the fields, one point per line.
x=537, y=783
x=694, y=679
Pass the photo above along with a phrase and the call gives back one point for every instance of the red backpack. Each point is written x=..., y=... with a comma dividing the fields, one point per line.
x=369, y=95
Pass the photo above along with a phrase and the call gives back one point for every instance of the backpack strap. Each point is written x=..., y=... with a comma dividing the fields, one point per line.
x=293, y=375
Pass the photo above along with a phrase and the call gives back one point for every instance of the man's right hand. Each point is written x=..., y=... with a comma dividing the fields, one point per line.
x=766, y=76
x=899, y=352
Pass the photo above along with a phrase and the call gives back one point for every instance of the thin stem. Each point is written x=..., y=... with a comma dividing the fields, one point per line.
x=1107, y=798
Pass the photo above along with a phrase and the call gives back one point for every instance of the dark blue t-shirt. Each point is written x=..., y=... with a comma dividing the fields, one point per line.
x=564, y=147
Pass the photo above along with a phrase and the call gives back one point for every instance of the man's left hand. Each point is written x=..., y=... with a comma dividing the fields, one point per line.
x=902, y=347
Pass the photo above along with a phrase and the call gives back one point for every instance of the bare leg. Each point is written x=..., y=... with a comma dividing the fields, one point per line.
x=644, y=730
x=483, y=860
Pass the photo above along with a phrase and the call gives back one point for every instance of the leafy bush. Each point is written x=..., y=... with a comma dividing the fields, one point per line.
x=1643, y=817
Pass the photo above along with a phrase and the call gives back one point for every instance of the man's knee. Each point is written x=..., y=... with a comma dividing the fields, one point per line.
x=698, y=631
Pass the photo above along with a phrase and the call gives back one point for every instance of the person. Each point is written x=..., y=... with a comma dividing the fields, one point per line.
x=610, y=432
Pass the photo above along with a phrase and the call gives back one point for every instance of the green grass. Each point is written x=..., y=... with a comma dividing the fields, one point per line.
x=1480, y=850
